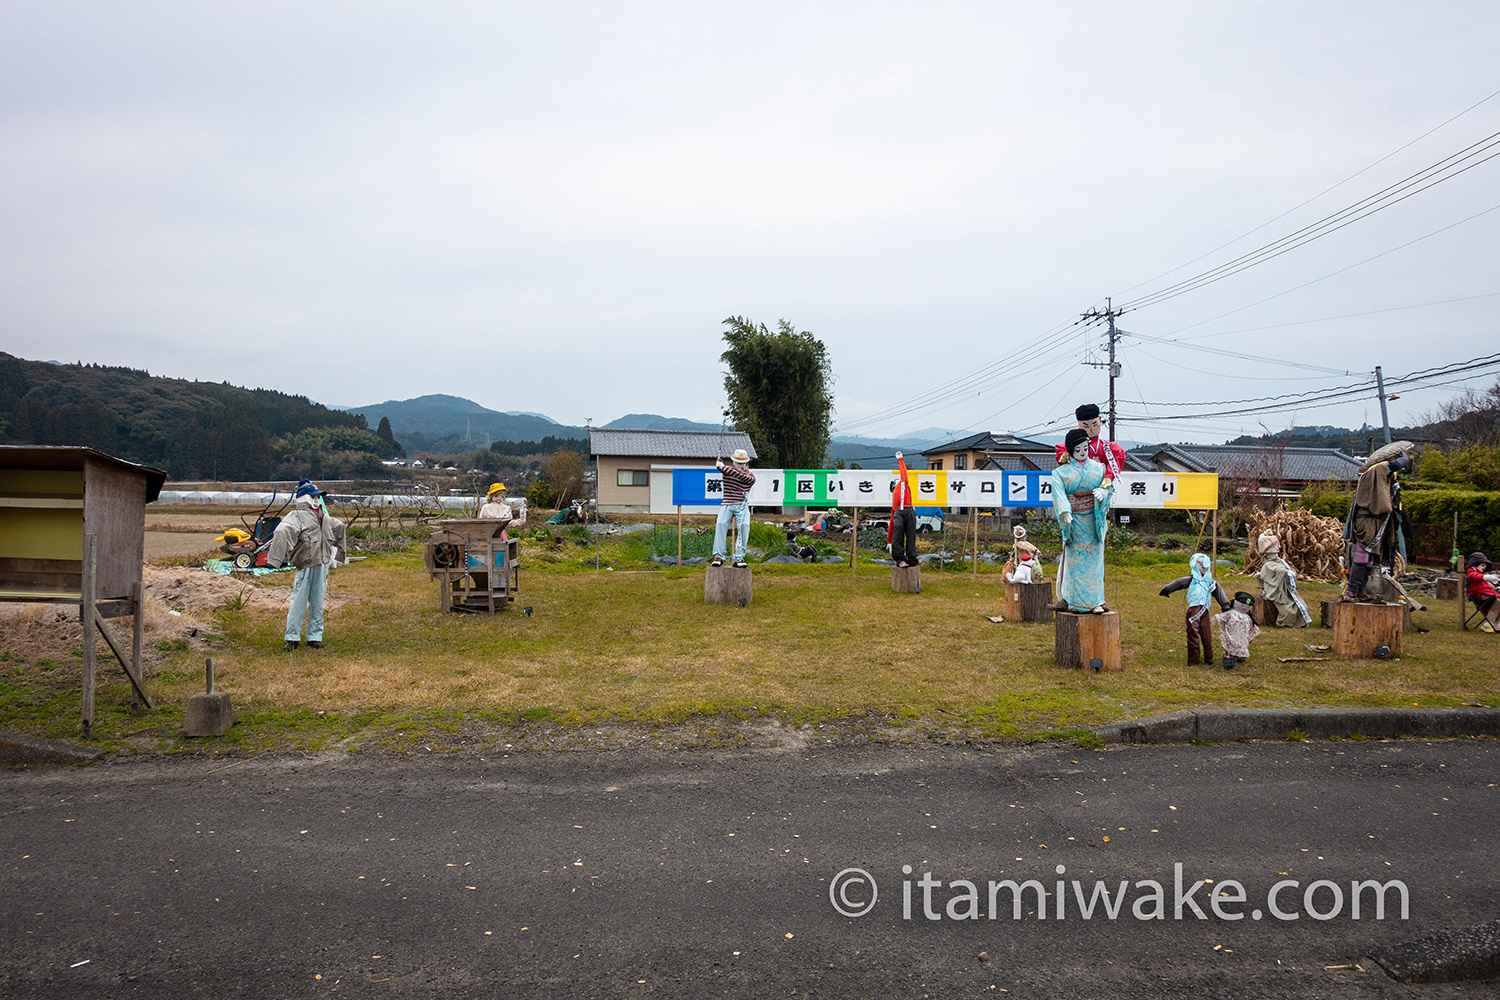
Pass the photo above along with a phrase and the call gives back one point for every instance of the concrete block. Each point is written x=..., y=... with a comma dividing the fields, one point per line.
x=208, y=714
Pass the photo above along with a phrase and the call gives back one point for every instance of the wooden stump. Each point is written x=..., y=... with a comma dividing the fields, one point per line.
x=1449, y=588
x=1265, y=613
x=1358, y=629
x=728, y=585
x=1084, y=638
x=1406, y=622
x=1027, y=602
x=906, y=581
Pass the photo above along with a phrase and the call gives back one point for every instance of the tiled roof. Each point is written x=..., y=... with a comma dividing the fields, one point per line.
x=990, y=441
x=667, y=444
x=1010, y=463
x=1301, y=465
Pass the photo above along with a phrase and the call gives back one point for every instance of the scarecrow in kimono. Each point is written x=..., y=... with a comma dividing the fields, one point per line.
x=1107, y=453
x=1200, y=586
x=1278, y=583
x=1081, y=496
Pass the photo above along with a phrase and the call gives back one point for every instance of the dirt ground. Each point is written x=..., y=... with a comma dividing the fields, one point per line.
x=180, y=602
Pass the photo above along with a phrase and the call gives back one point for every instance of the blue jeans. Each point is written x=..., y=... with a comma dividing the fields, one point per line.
x=740, y=514
x=307, y=598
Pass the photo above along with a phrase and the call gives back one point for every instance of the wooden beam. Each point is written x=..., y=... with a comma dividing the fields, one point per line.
x=114, y=646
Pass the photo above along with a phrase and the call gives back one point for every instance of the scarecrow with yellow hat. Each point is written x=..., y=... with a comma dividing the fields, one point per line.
x=496, y=506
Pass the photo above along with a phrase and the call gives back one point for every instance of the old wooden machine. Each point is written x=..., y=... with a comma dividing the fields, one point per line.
x=477, y=568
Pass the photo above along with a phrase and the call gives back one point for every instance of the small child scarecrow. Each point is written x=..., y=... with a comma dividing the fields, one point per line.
x=1236, y=628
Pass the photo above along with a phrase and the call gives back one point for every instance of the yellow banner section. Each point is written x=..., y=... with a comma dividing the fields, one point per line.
x=1196, y=491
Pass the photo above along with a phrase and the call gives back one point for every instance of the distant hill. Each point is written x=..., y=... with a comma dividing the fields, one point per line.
x=450, y=423
x=193, y=430
x=655, y=422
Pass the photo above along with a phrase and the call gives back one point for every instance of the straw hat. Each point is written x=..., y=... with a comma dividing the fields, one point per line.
x=740, y=455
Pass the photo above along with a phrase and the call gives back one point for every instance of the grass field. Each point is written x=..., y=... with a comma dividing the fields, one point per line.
x=634, y=648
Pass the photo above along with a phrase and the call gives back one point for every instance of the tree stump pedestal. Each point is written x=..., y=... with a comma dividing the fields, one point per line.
x=906, y=581
x=1027, y=602
x=728, y=585
x=1265, y=613
x=1087, y=641
x=1406, y=623
x=1359, y=629
x=1449, y=588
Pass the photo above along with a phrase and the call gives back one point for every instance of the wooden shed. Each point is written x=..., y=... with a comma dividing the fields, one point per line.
x=73, y=531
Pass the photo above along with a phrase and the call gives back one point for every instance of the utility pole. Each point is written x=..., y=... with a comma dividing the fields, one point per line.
x=1108, y=315
x=1385, y=420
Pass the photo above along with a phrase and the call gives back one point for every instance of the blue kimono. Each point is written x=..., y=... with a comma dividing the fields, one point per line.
x=1082, y=583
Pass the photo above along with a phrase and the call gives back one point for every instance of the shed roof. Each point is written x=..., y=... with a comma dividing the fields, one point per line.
x=67, y=458
x=667, y=444
x=1302, y=465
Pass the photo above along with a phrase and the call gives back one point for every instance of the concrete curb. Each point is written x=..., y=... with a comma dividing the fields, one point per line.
x=1447, y=957
x=1221, y=725
x=16, y=748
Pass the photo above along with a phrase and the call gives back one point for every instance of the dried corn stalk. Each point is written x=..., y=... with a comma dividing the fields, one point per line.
x=1312, y=544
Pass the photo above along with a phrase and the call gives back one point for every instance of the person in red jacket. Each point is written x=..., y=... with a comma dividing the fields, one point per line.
x=1481, y=591
x=1107, y=453
x=901, y=533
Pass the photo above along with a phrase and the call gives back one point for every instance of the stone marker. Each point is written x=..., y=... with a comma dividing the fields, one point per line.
x=209, y=713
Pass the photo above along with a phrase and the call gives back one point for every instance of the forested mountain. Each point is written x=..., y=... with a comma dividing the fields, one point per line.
x=452, y=423
x=193, y=430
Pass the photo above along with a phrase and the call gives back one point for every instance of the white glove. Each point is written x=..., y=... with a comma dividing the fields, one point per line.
x=1100, y=493
x=1066, y=517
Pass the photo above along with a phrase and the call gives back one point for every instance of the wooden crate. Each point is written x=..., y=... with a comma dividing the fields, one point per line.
x=728, y=585
x=1359, y=629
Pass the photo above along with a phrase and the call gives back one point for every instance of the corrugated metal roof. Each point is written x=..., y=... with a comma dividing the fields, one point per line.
x=667, y=444
x=1302, y=465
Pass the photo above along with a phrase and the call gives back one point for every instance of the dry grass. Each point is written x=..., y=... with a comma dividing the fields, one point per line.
x=816, y=644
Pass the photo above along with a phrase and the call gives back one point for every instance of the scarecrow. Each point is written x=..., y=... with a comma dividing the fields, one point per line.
x=1081, y=495
x=1236, y=628
x=1373, y=530
x=1278, y=583
x=1200, y=586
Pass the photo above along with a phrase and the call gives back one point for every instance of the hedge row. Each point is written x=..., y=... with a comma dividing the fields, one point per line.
x=1478, y=512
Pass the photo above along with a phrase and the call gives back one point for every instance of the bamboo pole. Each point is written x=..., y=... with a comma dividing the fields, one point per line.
x=854, y=547
x=976, y=543
x=679, y=534
x=1213, y=566
x=1463, y=582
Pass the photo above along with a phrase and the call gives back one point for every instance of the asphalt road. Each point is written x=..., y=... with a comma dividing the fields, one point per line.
x=708, y=874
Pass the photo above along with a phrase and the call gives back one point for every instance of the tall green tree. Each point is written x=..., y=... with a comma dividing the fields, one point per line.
x=780, y=388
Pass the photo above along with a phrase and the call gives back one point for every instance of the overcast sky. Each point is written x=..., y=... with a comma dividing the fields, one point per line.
x=553, y=206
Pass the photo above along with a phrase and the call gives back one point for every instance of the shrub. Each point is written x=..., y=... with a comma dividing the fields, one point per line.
x=540, y=495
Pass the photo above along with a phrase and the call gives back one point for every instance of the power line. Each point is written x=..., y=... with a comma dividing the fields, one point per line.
x=1330, y=319
x=1446, y=169
x=1315, y=197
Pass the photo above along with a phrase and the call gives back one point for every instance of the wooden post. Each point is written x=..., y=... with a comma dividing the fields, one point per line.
x=907, y=580
x=1027, y=602
x=138, y=629
x=1083, y=639
x=86, y=618
x=854, y=546
x=1359, y=629
x=679, y=534
x=976, y=543
x=1213, y=566
x=728, y=585
x=1463, y=578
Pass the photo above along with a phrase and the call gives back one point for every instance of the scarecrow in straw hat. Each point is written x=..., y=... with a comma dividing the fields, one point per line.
x=1278, y=583
x=737, y=478
x=1372, y=531
x=495, y=505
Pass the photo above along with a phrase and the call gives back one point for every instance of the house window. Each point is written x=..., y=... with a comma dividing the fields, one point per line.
x=936, y=463
x=960, y=461
x=632, y=477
